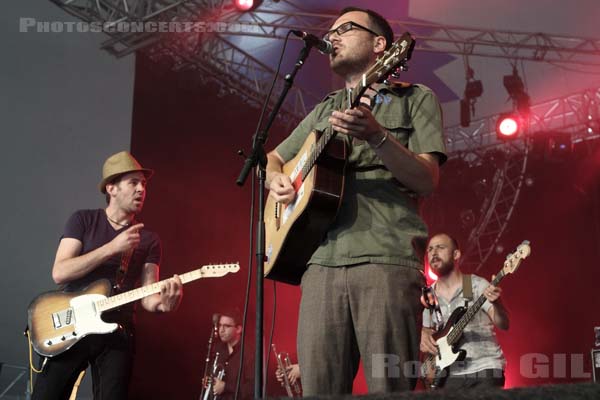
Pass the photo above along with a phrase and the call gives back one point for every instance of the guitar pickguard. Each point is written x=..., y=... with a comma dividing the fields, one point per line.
x=301, y=163
x=446, y=354
x=88, y=318
x=289, y=209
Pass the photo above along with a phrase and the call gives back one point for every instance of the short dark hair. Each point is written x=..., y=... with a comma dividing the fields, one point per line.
x=234, y=314
x=381, y=25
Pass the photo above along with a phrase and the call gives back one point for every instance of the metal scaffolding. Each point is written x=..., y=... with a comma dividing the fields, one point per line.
x=576, y=114
x=270, y=21
x=201, y=39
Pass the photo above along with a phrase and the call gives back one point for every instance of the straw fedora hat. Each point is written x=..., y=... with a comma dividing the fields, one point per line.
x=119, y=164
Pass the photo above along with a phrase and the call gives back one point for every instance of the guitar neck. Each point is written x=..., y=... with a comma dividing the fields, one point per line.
x=323, y=141
x=458, y=328
x=136, y=294
x=353, y=98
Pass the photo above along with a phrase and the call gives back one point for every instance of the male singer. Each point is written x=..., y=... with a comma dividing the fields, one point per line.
x=360, y=294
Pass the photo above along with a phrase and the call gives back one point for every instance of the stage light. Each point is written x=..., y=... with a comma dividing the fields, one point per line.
x=516, y=91
x=473, y=90
x=560, y=146
x=247, y=5
x=508, y=126
x=552, y=146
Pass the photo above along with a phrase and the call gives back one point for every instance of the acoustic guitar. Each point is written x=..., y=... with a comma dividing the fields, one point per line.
x=295, y=230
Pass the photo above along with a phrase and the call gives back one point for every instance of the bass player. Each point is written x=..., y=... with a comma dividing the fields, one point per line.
x=484, y=362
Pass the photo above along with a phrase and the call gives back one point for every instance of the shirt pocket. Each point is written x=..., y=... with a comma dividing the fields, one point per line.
x=363, y=156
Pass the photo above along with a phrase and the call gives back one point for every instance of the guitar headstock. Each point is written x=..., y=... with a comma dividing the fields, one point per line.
x=392, y=60
x=216, y=270
x=513, y=260
x=396, y=56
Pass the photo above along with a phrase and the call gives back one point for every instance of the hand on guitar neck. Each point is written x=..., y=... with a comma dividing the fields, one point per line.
x=492, y=293
x=497, y=312
x=171, y=293
x=359, y=123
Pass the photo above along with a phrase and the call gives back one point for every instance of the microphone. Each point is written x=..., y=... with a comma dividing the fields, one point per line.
x=215, y=318
x=324, y=46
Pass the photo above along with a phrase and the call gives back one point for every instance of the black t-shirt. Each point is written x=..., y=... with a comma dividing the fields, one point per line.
x=231, y=364
x=93, y=230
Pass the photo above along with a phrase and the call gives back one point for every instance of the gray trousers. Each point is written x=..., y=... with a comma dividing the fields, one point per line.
x=368, y=311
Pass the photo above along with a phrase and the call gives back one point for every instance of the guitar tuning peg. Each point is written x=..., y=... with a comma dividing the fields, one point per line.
x=396, y=73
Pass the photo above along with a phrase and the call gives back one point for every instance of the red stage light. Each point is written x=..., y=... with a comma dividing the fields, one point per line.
x=245, y=5
x=431, y=276
x=508, y=126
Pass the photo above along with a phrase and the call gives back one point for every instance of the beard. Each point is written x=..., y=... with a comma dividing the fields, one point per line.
x=443, y=269
x=347, y=67
x=348, y=63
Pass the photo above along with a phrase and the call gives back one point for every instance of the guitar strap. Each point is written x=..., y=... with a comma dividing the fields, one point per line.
x=123, y=267
x=467, y=288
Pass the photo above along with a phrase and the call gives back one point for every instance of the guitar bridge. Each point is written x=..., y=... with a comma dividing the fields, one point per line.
x=63, y=318
x=60, y=339
x=277, y=215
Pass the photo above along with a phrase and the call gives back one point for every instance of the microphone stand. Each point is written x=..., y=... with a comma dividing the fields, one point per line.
x=258, y=158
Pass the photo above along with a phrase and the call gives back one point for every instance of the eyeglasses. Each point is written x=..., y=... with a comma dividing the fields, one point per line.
x=348, y=26
x=227, y=326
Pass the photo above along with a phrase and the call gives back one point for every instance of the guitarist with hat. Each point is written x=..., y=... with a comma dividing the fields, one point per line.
x=108, y=244
x=484, y=362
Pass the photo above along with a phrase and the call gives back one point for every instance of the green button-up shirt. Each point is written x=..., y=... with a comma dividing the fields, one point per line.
x=378, y=219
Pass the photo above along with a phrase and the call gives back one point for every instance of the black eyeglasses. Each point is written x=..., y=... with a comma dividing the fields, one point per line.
x=348, y=26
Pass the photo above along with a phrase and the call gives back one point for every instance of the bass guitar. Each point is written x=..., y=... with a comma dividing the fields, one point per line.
x=434, y=369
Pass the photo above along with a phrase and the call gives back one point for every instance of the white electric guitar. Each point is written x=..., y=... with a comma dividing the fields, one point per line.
x=57, y=320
